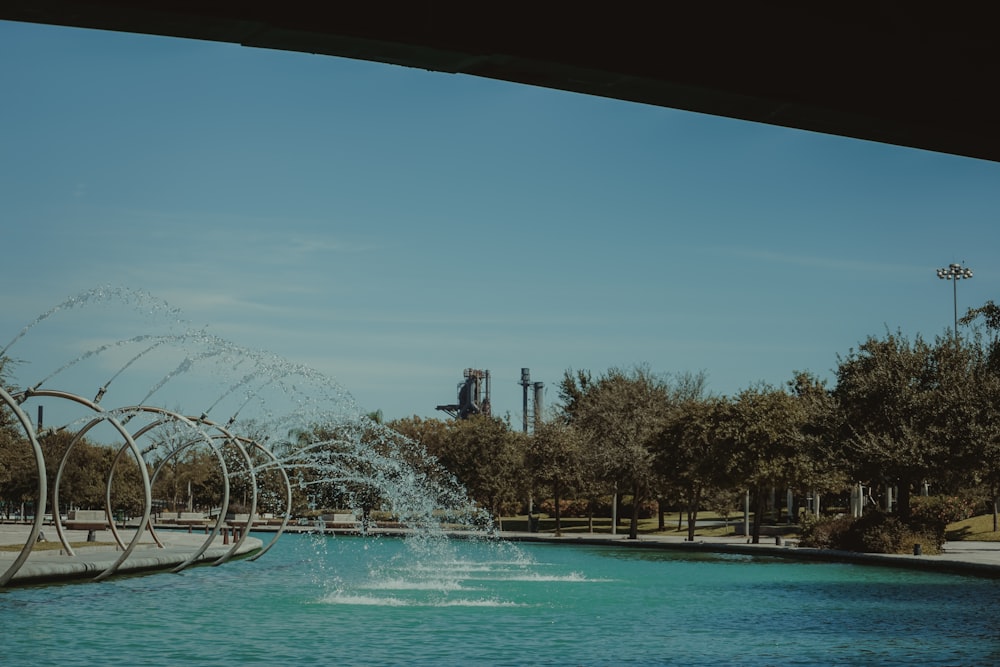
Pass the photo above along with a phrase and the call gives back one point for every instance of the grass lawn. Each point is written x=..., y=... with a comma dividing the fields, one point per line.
x=977, y=529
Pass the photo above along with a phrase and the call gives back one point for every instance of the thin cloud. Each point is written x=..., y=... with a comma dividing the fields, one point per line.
x=812, y=261
x=304, y=244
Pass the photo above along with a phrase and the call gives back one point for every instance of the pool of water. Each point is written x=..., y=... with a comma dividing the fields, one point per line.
x=386, y=601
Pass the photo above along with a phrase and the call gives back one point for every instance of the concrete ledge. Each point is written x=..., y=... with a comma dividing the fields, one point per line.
x=54, y=566
x=978, y=558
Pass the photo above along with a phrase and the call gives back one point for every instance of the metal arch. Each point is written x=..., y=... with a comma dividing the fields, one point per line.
x=242, y=443
x=230, y=438
x=167, y=417
x=147, y=491
x=222, y=514
x=288, y=496
x=168, y=414
x=36, y=526
x=56, y=518
x=107, y=499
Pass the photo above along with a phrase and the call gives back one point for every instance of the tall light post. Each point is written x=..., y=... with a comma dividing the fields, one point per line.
x=954, y=273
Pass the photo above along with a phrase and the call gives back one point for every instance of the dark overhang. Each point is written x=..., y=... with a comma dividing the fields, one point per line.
x=904, y=73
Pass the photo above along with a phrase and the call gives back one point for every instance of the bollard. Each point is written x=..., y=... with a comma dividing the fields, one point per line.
x=225, y=536
x=917, y=550
x=91, y=536
x=777, y=540
x=189, y=530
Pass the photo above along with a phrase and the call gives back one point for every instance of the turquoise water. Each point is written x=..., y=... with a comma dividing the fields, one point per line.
x=384, y=601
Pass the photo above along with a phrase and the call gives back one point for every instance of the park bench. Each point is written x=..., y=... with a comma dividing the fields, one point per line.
x=190, y=519
x=87, y=520
x=340, y=520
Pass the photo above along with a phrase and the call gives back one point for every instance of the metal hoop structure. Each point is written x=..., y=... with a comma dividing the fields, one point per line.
x=36, y=526
x=169, y=416
x=103, y=416
x=227, y=438
x=288, y=495
x=208, y=432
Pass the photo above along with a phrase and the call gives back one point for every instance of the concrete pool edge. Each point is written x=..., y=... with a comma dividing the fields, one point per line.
x=980, y=559
x=53, y=566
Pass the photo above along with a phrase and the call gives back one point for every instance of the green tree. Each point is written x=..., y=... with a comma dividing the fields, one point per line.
x=985, y=459
x=621, y=415
x=990, y=314
x=762, y=429
x=430, y=433
x=572, y=388
x=554, y=460
x=824, y=467
x=911, y=411
x=688, y=453
x=985, y=445
x=18, y=474
x=487, y=458
x=18, y=477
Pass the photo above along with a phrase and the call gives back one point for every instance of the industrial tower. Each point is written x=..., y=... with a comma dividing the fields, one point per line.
x=533, y=417
x=473, y=395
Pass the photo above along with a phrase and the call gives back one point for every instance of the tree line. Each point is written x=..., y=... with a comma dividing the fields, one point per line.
x=908, y=416
x=913, y=416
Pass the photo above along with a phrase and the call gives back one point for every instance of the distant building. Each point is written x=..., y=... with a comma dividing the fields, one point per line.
x=473, y=395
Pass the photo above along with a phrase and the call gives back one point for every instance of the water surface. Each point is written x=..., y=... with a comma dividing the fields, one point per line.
x=385, y=601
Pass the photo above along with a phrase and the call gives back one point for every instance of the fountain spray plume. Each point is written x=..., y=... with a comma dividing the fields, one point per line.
x=304, y=423
x=96, y=351
x=136, y=298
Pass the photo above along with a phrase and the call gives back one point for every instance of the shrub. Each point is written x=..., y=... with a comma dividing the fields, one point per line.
x=880, y=533
x=875, y=532
x=931, y=515
x=825, y=532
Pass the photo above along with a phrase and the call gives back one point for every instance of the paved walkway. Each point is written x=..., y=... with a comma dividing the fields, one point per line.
x=975, y=558
x=89, y=562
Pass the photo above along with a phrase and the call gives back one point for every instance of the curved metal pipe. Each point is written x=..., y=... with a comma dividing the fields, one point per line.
x=36, y=526
x=230, y=438
x=170, y=415
x=147, y=492
x=288, y=497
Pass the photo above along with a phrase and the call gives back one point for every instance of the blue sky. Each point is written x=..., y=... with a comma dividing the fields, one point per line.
x=389, y=227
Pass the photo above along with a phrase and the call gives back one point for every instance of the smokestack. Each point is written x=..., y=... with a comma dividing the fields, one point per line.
x=539, y=413
x=525, y=383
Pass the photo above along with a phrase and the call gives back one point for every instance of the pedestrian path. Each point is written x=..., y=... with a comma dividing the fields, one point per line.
x=974, y=558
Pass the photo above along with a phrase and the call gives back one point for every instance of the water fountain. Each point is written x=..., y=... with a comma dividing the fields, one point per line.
x=333, y=444
x=367, y=600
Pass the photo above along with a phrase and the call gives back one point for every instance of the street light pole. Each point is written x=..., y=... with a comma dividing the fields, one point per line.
x=954, y=273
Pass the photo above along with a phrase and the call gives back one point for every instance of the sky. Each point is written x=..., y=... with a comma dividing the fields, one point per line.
x=389, y=227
